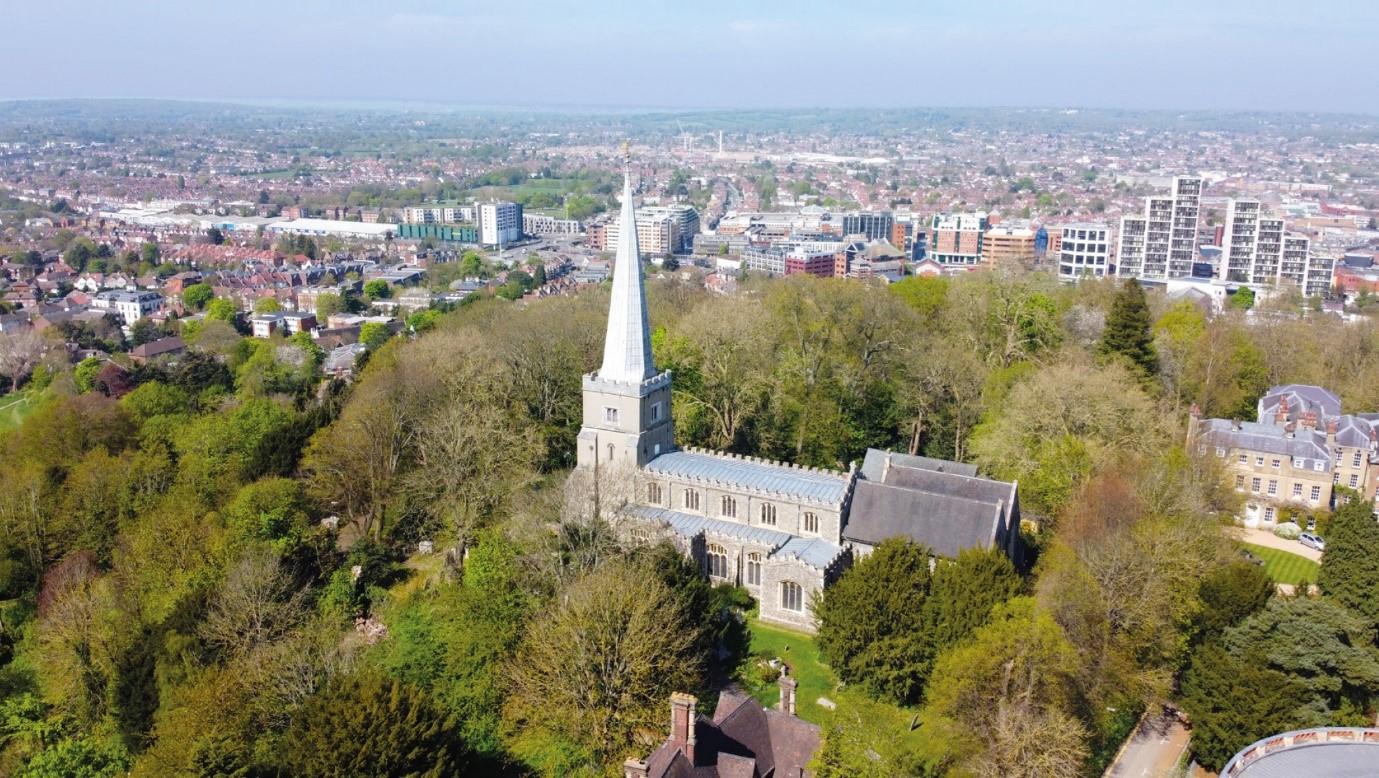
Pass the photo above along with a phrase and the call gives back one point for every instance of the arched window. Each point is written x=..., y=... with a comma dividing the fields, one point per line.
x=653, y=494
x=718, y=561
x=640, y=535
x=768, y=514
x=729, y=507
x=610, y=452
x=691, y=500
x=791, y=596
x=754, y=569
x=811, y=522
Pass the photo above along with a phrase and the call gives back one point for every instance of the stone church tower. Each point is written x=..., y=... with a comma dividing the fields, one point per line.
x=626, y=401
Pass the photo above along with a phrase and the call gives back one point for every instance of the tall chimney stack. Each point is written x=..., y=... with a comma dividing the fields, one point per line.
x=1281, y=416
x=1331, y=432
x=787, y=693
x=682, y=715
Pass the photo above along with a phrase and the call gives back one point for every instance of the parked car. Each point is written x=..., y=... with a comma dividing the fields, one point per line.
x=1312, y=541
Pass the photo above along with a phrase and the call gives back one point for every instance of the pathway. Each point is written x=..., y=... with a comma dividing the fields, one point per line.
x=1263, y=537
x=1152, y=751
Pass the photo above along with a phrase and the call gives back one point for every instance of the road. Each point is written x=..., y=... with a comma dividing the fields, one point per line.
x=1263, y=537
x=1153, y=751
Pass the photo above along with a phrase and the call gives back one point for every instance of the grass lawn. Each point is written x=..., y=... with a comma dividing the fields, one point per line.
x=1284, y=567
x=800, y=653
x=14, y=407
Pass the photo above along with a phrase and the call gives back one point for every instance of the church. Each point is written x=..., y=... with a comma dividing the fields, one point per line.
x=781, y=531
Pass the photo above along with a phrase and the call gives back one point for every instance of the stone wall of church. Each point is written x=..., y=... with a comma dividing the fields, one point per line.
x=791, y=516
x=776, y=574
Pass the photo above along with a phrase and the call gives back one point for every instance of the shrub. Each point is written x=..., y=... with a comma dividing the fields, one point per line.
x=1288, y=530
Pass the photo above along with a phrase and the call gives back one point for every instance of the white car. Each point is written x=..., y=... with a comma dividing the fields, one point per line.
x=1312, y=541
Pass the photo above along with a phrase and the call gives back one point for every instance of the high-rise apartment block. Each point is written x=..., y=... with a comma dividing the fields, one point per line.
x=957, y=238
x=499, y=223
x=1259, y=250
x=1161, y=243
x=438, y=214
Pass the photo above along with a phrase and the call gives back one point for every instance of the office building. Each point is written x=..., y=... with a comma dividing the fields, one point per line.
x=876, y=226
x=685, y=223
x=956, y=238
x=1084, y=251
x=1008, y=245
x=1161, y=243
x=499, y=223
x=656, y=234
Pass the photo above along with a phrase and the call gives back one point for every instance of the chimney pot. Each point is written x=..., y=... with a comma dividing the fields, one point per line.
x=682, y=729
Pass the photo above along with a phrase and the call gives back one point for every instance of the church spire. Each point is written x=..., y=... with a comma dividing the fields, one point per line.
x=627, y=345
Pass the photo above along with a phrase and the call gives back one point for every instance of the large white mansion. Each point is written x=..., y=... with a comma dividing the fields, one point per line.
x=780, y=530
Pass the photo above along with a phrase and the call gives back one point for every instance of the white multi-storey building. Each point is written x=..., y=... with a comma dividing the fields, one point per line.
x=499, y=223
x=438, y=214
x=130, y=305
x=541, y=224
x=661, y=230
x=1084, y=251
x=1259, y=250
x=1162, y=242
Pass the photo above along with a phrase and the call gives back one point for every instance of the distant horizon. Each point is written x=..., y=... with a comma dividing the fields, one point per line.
x=1170, y=55
x=397, y=105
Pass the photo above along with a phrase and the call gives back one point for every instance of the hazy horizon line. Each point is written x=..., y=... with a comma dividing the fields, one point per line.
x=393, y=104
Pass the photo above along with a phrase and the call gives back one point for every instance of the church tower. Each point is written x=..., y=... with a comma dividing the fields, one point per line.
x=626, y=401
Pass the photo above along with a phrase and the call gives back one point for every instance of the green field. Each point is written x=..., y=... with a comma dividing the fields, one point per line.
x=1284, y=567
x=13, y=408
x=800, y=653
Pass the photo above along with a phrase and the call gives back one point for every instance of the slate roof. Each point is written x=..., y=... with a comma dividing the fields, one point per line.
x=742, y=740
x=157, y=347
x=755, y=475
x=815, y=552
x=943, y=505
x=1301, y=397
x=689, y=525
x=1354, y=431
x=1305, y=444
x=875, y=461
x=946, y=524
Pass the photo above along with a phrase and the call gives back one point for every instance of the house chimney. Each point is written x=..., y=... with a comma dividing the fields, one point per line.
x=1281, y=415
x=1309, y=420
x=787, y=692
x=682, y=715
x=1331, y=432
x=634, y=768
x=1194, y=420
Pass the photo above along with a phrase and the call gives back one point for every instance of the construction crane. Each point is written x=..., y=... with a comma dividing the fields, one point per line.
x=686, y=139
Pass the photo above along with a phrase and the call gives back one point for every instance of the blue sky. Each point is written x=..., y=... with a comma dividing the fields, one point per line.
x=1264, y=55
